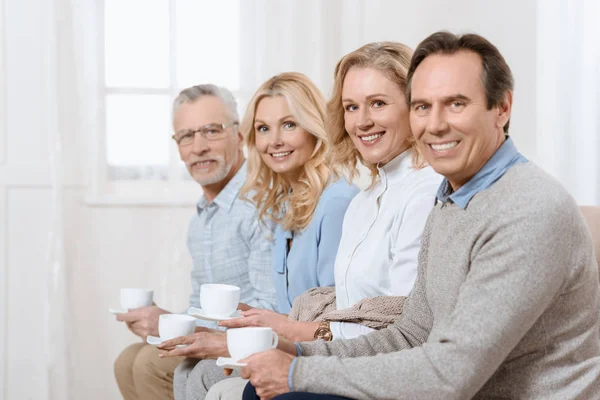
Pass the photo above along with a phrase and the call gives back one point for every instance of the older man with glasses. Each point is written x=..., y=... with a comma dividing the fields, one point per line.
x=224, y=238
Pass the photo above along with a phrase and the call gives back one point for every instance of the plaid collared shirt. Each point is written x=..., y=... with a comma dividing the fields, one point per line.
x=228, y=246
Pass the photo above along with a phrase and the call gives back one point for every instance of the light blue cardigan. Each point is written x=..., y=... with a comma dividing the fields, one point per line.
x=310, y=263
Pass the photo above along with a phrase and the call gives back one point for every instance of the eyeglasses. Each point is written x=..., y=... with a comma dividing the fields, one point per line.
x=208, y=132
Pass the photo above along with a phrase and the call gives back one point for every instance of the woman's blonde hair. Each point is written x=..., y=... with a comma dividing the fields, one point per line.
x=271, y=192
x=393, y=60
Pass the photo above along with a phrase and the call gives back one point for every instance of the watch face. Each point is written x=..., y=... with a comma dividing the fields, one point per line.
x=324, y=334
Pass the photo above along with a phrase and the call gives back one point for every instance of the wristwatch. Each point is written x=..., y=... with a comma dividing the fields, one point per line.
x=323, y=332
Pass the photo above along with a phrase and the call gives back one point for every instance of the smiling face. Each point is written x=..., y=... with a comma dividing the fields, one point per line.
x=455, y=131
x=375, y=115
x=283, y=145
x=208, y=162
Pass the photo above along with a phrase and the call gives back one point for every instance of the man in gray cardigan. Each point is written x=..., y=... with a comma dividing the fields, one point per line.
x=506, y=300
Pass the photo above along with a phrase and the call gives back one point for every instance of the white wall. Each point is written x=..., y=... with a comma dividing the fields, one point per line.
x=107, y=247
x=568, y=93
x=26, y=226
x=113, y=247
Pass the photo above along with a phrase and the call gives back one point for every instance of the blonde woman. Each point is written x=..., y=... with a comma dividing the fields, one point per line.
x=294, y=186
x=296, y=189
x=369, y=123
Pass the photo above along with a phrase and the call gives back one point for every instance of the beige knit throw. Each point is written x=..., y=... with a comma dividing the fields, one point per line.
x=318, y=304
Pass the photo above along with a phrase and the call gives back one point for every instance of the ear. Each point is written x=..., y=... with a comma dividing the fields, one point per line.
x=504, y=109
x=240, y=138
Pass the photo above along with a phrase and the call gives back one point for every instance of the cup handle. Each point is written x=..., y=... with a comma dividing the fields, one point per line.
x=275, y=341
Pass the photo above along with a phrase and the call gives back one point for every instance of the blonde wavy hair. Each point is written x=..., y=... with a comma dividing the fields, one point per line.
x=391, y=58
x=271, y=192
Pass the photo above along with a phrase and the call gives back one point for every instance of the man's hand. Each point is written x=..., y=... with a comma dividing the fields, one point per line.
x=268, y=372
x=204, y=345
x=143, y=321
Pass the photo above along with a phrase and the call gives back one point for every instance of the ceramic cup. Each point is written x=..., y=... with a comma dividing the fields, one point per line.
x=220, y=300
x=135, y=298
x=171, y=326
x=243, y=342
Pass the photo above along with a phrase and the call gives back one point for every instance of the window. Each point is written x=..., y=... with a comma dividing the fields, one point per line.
x=150, y=50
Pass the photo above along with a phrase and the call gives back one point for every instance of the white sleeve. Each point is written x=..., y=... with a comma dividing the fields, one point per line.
x=348, y=330
x=405, y=253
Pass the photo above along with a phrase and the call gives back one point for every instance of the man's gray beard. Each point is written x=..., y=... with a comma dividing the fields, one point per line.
x=221, y=173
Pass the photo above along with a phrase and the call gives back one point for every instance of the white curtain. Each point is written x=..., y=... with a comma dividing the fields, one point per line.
x=56, y=313
x=69, y=67
x=568, y=94
x=279, y=36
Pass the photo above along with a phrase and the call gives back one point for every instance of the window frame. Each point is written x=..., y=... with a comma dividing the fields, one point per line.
x=164, y=192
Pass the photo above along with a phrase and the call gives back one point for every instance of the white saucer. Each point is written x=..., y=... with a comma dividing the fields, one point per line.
x=200, y=314
x=155, y=341
x=226, y=362
x=118, y=310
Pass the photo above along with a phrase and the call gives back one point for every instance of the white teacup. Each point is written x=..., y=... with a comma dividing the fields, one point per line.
x=135, y=298
x=171, y=326
x=218, y=299
x=243, y=342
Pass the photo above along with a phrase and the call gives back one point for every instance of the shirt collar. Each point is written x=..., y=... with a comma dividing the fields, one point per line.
x=397, y=169
x=504, y=158
x=229, y=194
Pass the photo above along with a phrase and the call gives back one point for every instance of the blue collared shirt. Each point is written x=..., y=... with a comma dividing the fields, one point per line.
x=311, y=259
x=502, y=160
x=228, y=246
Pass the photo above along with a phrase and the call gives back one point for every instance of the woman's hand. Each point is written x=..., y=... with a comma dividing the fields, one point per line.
x=293, y=330
x=258, y=317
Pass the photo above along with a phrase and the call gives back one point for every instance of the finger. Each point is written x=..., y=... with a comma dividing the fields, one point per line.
x=133, y=327
x=252, y=311
x=164, y=353
x=246, y=360
x=137, y=325
x=174, y=342
x=165, y=347
x=245, y=373
x=227, y=371
x=237, y=323
x=133, y=314
x=176, y=352
x=244, y=307
x=130, y=316
x=264, y=394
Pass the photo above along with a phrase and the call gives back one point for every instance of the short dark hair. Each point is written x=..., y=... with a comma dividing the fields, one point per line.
x=496, y=77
